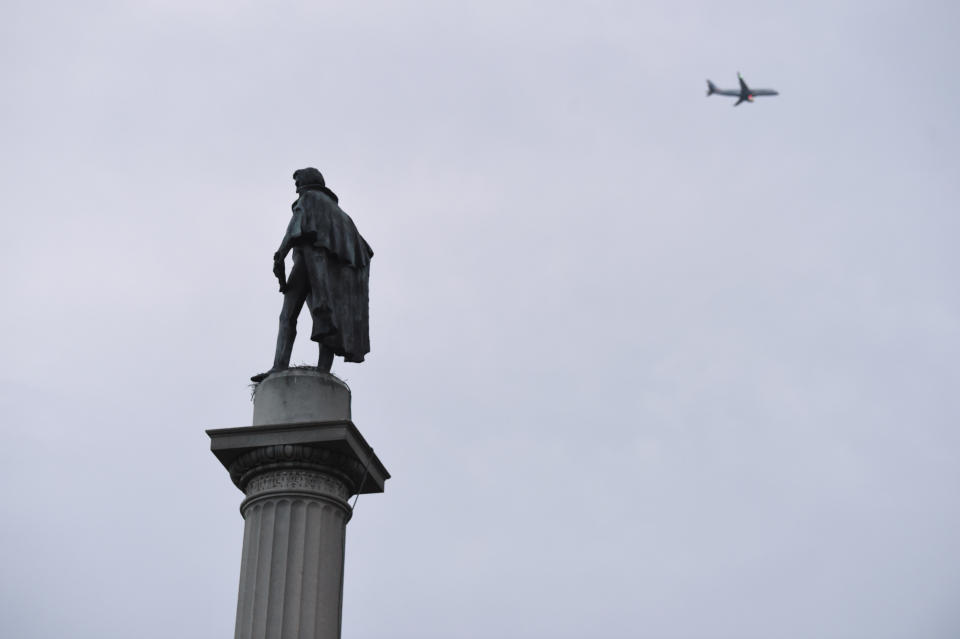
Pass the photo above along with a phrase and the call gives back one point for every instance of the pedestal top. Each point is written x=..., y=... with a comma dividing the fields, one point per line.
x=300, y=395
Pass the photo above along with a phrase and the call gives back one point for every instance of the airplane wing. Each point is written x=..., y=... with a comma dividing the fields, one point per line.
x=743, y=85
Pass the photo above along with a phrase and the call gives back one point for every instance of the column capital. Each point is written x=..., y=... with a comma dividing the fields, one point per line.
x=334, y=447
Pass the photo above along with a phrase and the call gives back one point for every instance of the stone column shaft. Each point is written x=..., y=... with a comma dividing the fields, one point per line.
x=291, y=571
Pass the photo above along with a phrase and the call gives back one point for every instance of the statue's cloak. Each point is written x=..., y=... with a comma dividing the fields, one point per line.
x=337, y=262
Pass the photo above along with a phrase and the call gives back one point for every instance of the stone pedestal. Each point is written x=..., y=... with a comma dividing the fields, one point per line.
x=297, y=465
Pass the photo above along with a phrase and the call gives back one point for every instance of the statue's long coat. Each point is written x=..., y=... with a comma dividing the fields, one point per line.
x=337, y=263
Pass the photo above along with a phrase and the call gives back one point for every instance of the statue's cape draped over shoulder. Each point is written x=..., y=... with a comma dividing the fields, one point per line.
x=337, y=261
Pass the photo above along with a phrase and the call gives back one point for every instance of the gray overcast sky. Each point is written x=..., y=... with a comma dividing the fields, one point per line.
x=644, y=365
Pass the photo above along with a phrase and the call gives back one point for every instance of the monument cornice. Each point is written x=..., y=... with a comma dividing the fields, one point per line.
x=334, y=446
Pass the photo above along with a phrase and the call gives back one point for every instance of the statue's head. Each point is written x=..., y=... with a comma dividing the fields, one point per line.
x=308, y=177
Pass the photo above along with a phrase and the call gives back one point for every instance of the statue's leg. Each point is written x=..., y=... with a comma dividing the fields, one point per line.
x=326, y=359
x=297, y=290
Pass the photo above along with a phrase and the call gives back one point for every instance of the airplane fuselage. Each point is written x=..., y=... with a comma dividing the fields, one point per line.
x=745, y=94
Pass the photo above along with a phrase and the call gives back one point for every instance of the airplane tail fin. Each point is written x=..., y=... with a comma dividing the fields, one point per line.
x=711, y=87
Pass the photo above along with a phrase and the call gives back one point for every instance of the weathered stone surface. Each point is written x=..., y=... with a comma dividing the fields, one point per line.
x=299, y=395
x=291, y=567
x=297, y=476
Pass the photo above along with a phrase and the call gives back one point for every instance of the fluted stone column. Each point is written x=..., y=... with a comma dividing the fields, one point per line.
x=297, y=477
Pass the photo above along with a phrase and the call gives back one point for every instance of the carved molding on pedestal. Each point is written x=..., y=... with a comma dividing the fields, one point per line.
x=297, y=481
x=298, y=485
x=293, y=457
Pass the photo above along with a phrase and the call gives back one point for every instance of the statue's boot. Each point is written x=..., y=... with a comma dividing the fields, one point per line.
x=281, y=358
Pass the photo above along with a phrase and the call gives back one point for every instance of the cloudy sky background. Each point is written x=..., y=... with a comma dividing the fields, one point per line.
x=644, y=365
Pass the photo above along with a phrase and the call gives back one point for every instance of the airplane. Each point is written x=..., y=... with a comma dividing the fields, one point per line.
x=746, y=94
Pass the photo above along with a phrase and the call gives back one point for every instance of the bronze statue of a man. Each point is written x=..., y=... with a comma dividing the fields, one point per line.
x=331, y=272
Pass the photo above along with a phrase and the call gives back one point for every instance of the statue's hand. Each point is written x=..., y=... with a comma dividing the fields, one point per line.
x=280, y=271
